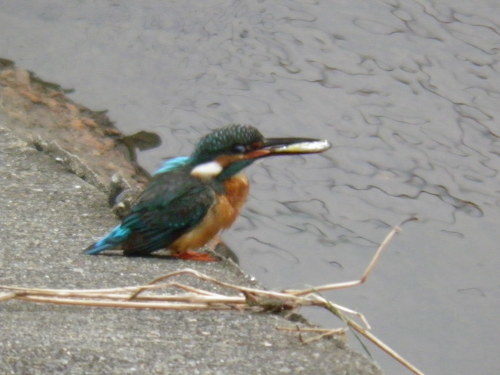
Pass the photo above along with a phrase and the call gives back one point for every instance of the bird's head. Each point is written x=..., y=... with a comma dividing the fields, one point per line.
x=226, y=151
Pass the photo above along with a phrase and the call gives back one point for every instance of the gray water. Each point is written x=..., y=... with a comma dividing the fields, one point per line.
x=407, y=91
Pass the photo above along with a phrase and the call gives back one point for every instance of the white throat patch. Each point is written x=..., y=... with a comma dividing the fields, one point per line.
x=207, y=170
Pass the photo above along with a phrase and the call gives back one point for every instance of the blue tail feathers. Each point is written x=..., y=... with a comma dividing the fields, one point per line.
x=117, y=236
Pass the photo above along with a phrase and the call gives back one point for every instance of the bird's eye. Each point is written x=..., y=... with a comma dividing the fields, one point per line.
x=239, y=149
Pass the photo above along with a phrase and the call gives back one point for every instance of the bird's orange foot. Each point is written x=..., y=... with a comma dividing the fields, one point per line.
x=193, y=255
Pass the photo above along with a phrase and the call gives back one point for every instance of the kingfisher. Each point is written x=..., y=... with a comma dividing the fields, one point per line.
x=190, y=199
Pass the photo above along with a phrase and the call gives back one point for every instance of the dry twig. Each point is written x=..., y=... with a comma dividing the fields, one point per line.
x=191, y=298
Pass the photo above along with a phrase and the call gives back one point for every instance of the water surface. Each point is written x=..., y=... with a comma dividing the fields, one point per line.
x=408, y=93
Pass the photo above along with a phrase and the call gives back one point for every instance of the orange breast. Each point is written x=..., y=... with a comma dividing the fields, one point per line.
x=220, y=216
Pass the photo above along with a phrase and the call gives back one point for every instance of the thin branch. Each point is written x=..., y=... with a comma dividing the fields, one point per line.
x=386, y=348
x=350, y=284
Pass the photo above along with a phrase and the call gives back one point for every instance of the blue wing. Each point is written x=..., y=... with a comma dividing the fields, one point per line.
x=172, y=204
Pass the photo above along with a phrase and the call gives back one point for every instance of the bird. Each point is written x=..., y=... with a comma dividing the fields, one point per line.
x=190, y=199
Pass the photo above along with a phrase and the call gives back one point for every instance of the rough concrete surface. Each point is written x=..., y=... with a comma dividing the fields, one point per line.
x=48, y=216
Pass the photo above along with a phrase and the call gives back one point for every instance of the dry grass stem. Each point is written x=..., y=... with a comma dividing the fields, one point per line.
x=166, y=293
x=323, y=332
